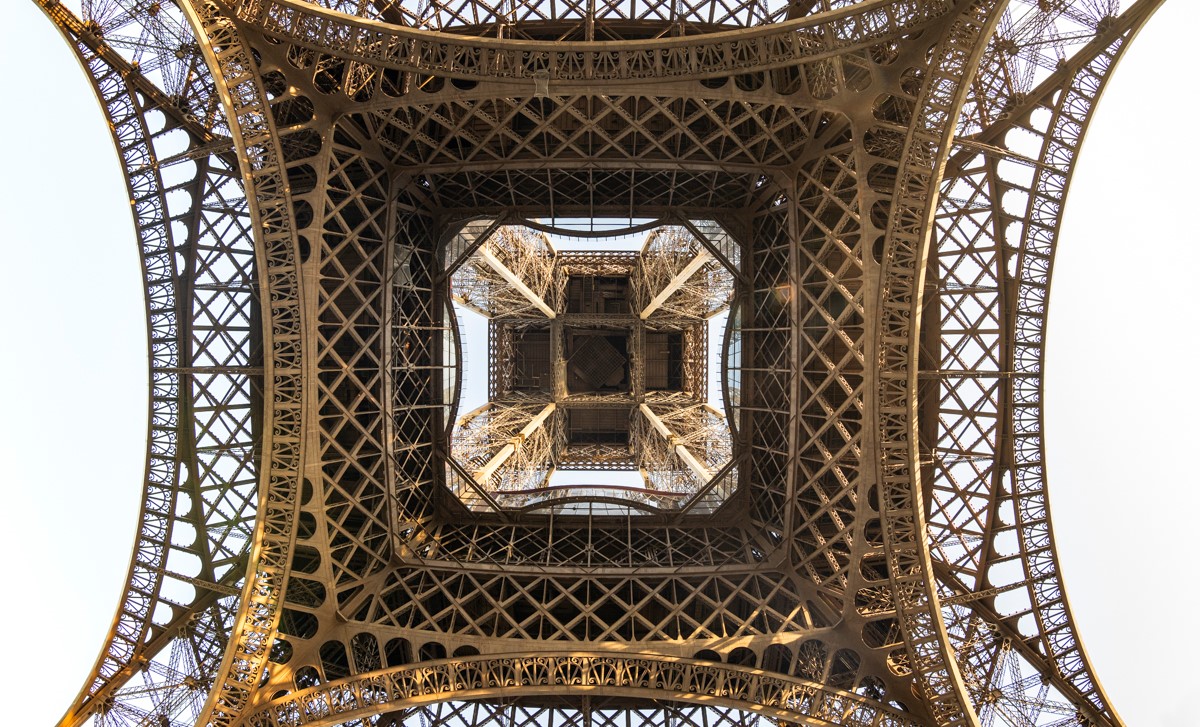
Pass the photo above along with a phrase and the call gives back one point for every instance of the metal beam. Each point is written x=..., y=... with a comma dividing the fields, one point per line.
x=695, y=465
x=511, y=278
x=702, y=257
x=483, y=474
x=461, y=300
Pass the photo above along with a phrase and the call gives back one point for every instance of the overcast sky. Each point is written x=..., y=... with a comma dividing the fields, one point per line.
x=1123, y=393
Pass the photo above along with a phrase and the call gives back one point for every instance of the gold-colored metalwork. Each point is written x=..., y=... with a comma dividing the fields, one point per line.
x=855, y=531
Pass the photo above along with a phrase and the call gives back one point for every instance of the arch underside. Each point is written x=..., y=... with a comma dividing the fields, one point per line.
x=580, y=682
x=892, y=323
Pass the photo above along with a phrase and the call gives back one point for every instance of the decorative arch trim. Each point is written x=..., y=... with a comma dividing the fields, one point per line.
x=580, y=673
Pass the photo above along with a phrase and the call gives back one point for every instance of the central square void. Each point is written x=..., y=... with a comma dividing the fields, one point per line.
x=600, y=364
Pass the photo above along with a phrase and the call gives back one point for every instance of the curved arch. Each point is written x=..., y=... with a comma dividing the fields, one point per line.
x=593, y=234
x=476, y=18
x=1057, y=114
x=921, y=163
x=591, y=673
x=276, y=249
x=1072, y=112
x=554, y=500
x=746, y=50
x=157, y=249
x=196, y=268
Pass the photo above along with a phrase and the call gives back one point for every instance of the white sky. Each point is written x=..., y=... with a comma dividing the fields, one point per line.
x=1122, y=394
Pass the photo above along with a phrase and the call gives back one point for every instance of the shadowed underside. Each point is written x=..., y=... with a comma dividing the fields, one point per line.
x=883, y=181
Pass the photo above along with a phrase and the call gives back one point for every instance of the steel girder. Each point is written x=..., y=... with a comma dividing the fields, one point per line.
x=889, y=546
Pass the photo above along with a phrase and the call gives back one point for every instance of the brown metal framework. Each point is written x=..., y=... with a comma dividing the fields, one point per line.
x=885, y=179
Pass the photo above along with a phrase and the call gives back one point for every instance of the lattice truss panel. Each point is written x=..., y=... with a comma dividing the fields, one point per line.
x=444, y=136
x=880, y=554
x=462, y=714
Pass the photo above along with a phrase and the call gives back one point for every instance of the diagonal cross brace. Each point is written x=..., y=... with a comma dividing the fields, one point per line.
x=512, y=279
x=483, y=474
x=702, y=257
x=696, y=466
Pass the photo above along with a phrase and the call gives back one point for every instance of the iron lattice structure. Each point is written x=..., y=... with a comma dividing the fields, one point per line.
x=887, y=179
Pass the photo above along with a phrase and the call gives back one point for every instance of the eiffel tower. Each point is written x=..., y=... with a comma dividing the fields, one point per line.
x=779, y=461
